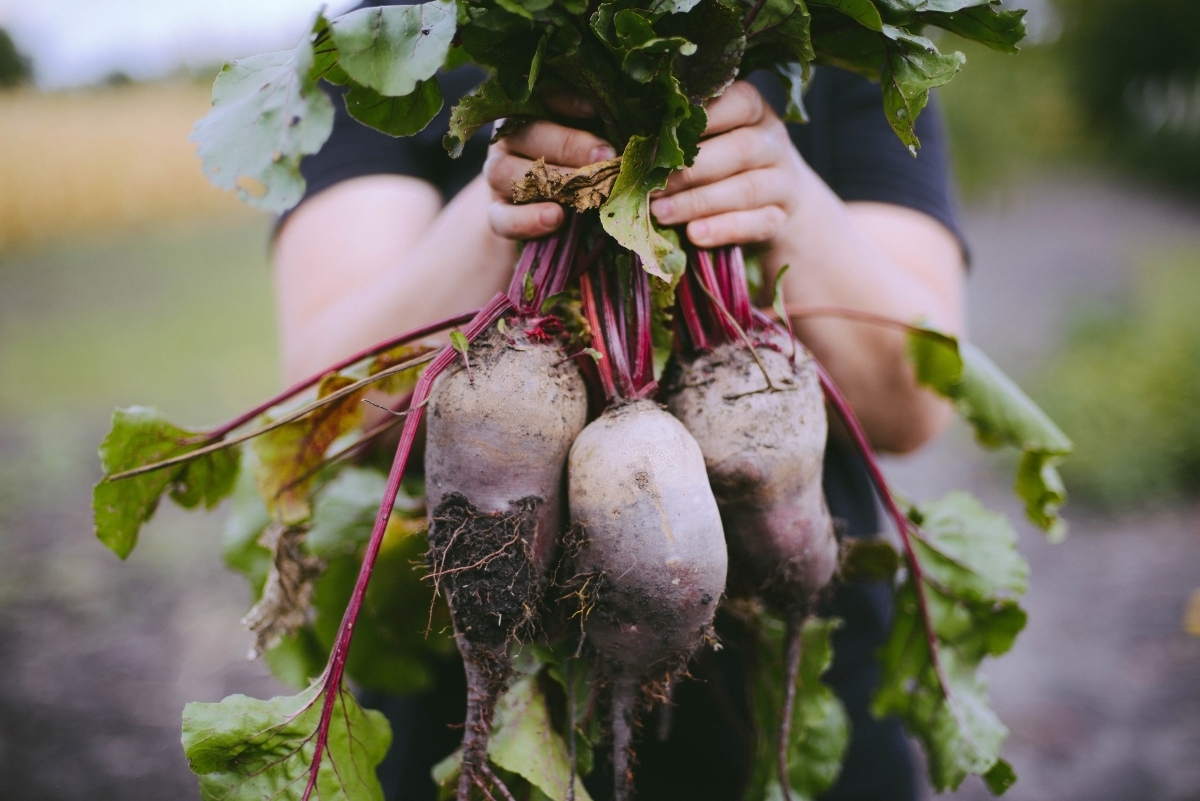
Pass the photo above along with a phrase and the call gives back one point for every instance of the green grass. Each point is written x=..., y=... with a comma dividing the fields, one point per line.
x=1009, y=115
x=180, y=319
x=1126, y=388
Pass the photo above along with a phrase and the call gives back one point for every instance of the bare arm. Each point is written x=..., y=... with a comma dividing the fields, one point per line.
x=371, y=257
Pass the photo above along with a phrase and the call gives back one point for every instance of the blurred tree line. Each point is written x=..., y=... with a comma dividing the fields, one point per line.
x=14, y=67
x=1135, y=67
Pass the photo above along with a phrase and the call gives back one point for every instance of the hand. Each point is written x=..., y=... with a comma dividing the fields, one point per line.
x=745, y=183
x=510, y=158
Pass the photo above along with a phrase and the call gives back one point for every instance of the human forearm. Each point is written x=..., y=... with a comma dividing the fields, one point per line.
x=882, y=259
x=423, y=263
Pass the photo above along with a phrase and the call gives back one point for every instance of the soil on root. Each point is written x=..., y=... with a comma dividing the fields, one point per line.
x=484, y=564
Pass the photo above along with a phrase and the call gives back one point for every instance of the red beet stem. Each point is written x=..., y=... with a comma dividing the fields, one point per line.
x=401, y=339
x=903, y=525
x=332, y=677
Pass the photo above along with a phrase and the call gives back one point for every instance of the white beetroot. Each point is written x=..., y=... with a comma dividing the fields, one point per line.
x=497, y=446
x=764, y=449
x=652, y=534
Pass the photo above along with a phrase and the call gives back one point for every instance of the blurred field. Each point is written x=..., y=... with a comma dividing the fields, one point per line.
x=87, y=162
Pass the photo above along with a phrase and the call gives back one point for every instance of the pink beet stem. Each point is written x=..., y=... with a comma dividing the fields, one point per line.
x=903, y=525
x=691, y=315
x=604, y=364
x=401, y=339
x=332, y=679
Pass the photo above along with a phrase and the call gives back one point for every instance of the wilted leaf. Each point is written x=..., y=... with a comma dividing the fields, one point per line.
x=267, y=114
x=141, y=436
x=287, y=594
x=820, y=726
x=972, y=573
x=245, y=749
x=583, y=189
x=1002, y=415
x=289, y=456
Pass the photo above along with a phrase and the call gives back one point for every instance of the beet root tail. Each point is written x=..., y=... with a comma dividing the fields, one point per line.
x=487, y=677
x=623, y=699
x=791, y=670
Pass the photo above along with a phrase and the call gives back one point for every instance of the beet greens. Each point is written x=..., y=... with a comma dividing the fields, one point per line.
x=593, y=314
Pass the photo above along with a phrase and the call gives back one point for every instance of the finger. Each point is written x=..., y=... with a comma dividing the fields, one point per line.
x=558, y=144
x=740, y=105
x=742, y=192
x=567, y=103
x=728, y=154
x=737, y=227
x=524, y=222
x=502, y=170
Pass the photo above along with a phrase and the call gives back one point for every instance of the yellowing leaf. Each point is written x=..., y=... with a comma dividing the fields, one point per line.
x=289, y=456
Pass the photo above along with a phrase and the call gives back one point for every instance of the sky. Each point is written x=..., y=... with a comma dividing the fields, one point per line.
x=77, y=42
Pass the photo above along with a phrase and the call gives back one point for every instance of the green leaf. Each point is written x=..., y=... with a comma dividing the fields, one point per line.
x=989, y=24
x=971, y=574
x=486, y=104
x=868, y=560
x=914, y=66
x=245, y=749
x=141, y=436
x=401, y=634
x=716, y=30
x=395, y=116
x=820, y=726
x=525, y=742
x=268, y=113
x=861, y=11
x=1001, y=414
x=626, y=214
x=392, y=49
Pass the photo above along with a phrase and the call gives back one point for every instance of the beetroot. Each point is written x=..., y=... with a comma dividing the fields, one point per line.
x=651, y=542
x=653, y=535
x=498, y=439
x=764, y=451
x=751, y=396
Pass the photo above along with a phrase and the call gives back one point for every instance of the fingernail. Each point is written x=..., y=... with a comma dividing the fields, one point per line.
x=698, y=231
x=603, y=153
x=548, y=217
x=663, y=208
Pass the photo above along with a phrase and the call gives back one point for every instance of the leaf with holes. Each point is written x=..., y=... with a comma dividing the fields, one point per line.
x=268, y=113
